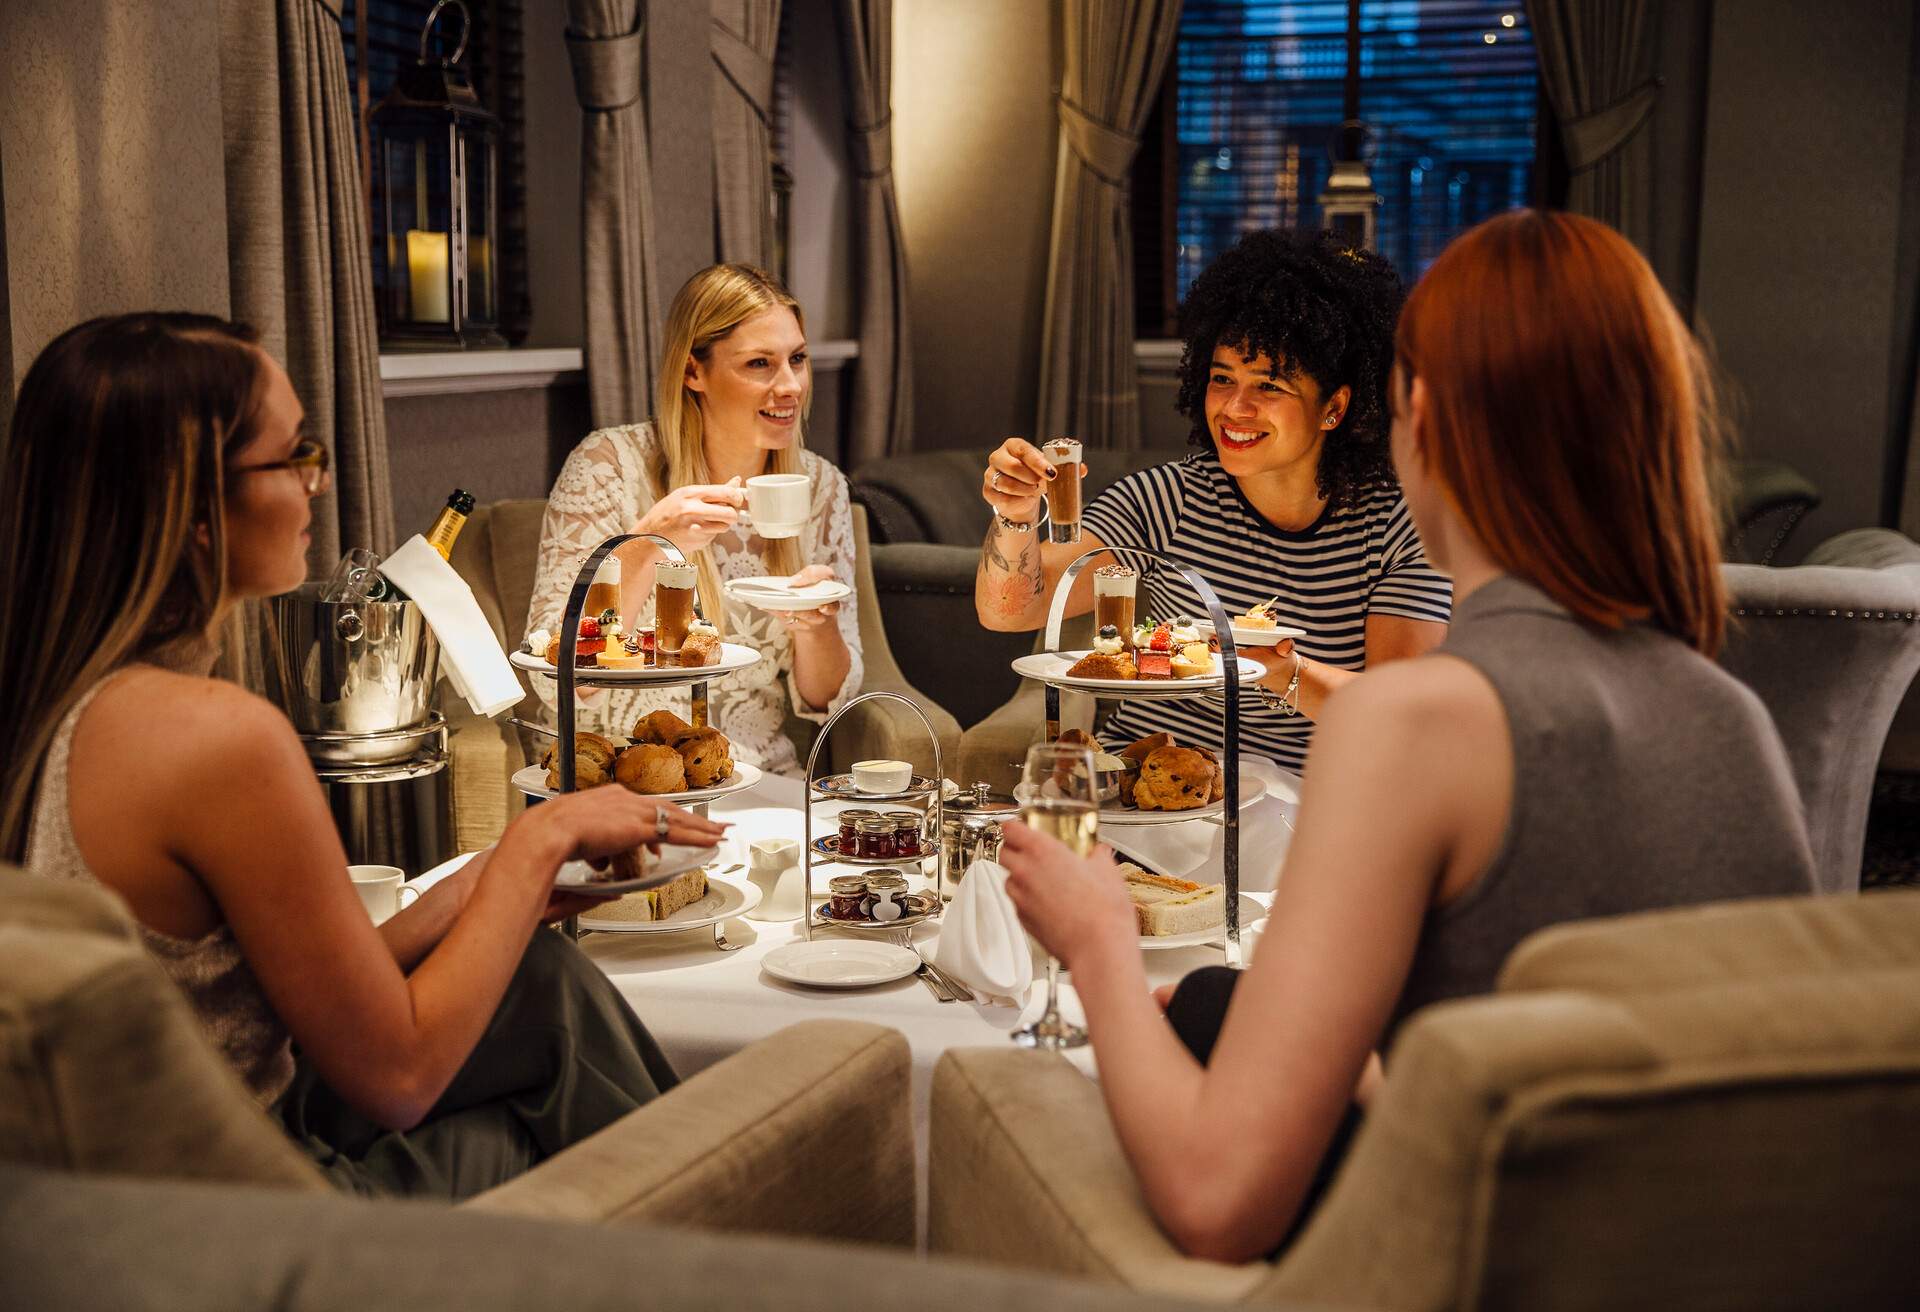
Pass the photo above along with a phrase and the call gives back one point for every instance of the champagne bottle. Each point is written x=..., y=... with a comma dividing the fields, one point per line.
x=448, y=523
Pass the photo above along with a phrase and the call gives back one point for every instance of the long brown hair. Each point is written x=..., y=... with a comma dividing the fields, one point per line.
x=713, y=303
x=1572, y=420
x=110, y=477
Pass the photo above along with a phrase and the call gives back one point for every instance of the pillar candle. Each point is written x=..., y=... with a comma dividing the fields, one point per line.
x=427, y=272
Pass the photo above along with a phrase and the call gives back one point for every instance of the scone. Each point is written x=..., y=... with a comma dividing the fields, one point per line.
x=592, y=761
x=1174, y=779
x=708, y=757
x=651, y=768
x=663, y=727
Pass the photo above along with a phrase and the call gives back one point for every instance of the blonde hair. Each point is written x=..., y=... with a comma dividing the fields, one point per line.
x=111, y=470
x=713, y=303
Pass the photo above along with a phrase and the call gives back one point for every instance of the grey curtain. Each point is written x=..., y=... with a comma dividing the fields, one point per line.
x=624, y=304
x=1596, y=63
x=883, y=377
x=743, y=36
x=1116, y=52
x=297, y=253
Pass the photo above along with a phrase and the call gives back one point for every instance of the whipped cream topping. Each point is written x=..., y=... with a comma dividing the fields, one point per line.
x=702, y=626
x=1107, y=641
x=539, y=640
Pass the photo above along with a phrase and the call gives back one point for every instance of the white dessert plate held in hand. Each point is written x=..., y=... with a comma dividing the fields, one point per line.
x=840, y=963
x=674, y=859
x=1249, y=637
x=771, y=592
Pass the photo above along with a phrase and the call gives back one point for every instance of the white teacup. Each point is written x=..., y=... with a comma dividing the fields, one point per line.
x=778, y=504
x=383, y=890
x=773, y=866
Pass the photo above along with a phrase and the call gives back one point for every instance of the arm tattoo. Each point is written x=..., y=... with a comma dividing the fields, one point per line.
x=1013, y=584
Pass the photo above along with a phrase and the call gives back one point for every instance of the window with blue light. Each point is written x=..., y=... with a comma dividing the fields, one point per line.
x=1448, y=89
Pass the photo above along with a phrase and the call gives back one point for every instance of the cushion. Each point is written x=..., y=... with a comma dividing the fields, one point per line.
x=103, y=1066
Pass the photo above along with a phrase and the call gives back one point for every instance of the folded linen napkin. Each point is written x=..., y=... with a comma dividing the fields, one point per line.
x=469, y=653
x=981, y=941
x=1197, y=849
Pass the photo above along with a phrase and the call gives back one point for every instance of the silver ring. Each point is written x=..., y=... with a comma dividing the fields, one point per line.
x=660, y=825
x=993, y=480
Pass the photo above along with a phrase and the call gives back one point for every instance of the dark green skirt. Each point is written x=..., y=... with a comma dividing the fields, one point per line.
x=564, y=1056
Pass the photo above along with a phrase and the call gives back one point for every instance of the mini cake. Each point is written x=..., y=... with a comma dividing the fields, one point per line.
x=629, y=655
x=587, y=649
x=702, y=646
x=1109, y=658
x=1265, y=615
x=1191, y=661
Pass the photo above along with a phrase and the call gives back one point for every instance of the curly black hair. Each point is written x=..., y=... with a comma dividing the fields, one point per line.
x=1306, y=298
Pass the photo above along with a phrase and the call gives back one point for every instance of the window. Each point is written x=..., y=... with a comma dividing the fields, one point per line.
x=1448, y=89
x=383, y=36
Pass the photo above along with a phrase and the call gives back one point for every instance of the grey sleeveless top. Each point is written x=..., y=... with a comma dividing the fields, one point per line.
x=210, y=970
x=1644, y=776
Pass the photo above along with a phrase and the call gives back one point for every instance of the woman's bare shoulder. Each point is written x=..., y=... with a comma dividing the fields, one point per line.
x=193, y=723
x=1417, y=705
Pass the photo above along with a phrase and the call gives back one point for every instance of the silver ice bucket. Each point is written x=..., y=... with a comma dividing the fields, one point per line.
x=347, y=671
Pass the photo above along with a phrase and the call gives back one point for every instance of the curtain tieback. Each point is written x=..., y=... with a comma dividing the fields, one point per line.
x=750, y=71
x=1592, y=137
x=1107, y=152
x=872, y=146
x=606, y=69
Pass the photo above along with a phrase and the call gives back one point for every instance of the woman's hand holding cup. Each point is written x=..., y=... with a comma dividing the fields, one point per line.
x=692, y=517
x=1016, y=480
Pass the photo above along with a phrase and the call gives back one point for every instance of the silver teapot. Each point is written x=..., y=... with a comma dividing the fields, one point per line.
x=970, y=831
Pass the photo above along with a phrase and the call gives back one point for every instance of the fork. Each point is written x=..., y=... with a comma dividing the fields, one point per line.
x=944, y=986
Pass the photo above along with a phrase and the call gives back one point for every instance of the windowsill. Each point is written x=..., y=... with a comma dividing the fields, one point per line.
x=1158, y=359
x=446, y=373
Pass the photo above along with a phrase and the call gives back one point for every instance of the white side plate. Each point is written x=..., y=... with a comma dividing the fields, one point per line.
x=840, y=963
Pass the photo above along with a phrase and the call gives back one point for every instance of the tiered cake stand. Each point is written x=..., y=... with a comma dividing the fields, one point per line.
x=1229, y=816
x=839, y=788
x=571, y=680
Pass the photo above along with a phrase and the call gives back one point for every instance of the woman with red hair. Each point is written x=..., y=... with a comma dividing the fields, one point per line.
x=1571, y=750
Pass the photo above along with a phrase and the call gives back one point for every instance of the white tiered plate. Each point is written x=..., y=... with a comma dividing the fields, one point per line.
x=1247, y=637
x=1052, y=666
x=532, y=780
x=723, y=901
x=1112, y=813
x=732, y=657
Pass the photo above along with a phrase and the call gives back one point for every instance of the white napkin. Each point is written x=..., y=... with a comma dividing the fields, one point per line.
x=469, y=653
x=1197, y=849
x=981, y=941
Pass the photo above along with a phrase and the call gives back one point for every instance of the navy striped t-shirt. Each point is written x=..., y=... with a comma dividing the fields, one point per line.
x=1356, y=560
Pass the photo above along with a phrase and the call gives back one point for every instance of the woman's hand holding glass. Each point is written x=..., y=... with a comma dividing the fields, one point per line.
x=1072, y=905
x=1016, y=480
x=807, y=622
x=692, y=517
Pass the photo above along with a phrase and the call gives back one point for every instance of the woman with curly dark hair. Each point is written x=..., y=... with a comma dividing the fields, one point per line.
x=1291, y=495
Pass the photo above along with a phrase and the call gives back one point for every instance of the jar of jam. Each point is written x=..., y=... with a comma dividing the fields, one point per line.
x=873, y=838
x=849, y=835
x=846, y=897
x=886, y=885
x=906, y=832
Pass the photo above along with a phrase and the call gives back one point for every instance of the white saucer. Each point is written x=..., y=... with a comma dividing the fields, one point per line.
x=840, y=963
x=771, y=592
x=674, y=859
x=1245, y=637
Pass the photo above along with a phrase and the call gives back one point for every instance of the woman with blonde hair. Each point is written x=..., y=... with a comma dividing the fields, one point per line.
x=730, y=403
x=1571, y=751
x=157, y=470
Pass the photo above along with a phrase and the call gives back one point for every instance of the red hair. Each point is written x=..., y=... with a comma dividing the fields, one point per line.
x=1571, y=420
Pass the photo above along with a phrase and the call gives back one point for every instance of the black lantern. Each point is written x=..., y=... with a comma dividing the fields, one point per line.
x=1349, y=203
x=436, y=163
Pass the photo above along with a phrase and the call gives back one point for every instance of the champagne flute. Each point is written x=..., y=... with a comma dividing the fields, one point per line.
x=1059, y=800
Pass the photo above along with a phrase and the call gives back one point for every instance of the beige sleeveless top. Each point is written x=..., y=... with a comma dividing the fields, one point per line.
x=210, y=970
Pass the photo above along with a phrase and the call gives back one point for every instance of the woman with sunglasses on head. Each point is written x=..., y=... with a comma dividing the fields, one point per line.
x=1571, y=751
x=155, y=474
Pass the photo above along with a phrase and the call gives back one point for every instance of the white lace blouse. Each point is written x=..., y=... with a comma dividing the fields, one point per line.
x=602, y=489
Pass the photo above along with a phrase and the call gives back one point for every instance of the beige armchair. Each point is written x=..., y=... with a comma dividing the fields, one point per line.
x=1710, y=1108
x=496, y=555
x=105, y=1071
